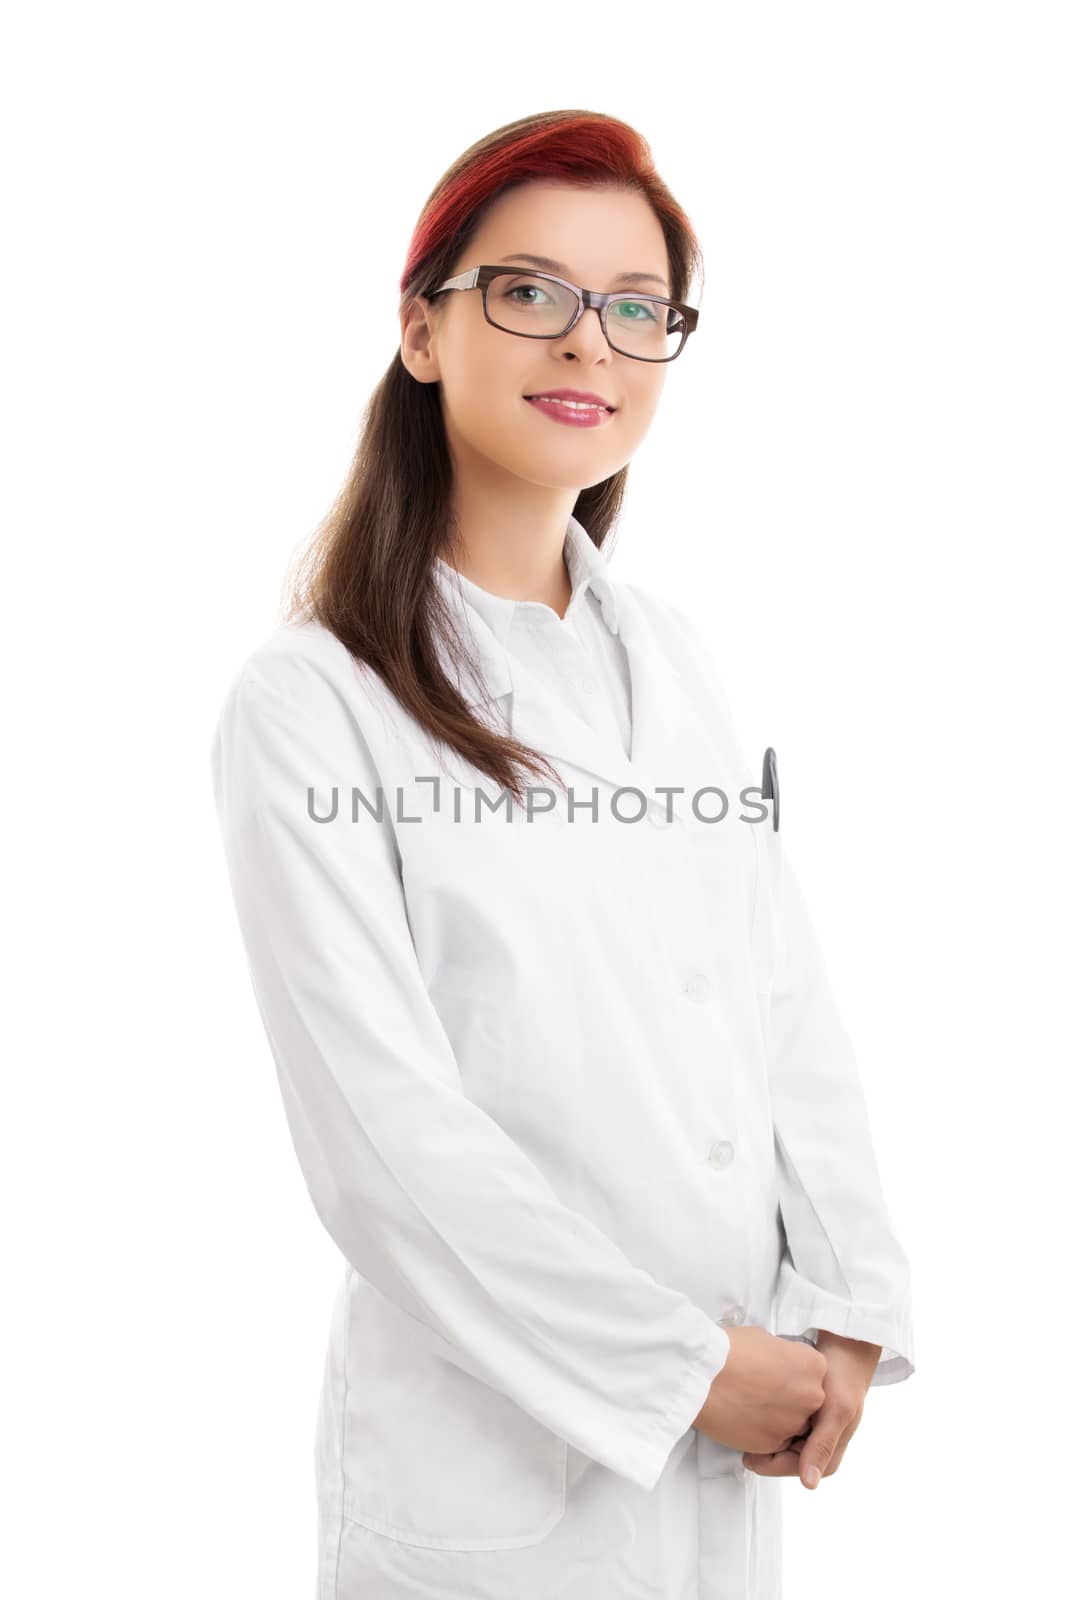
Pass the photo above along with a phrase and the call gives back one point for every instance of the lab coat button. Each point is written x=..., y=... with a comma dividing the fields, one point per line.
x=722, y=1153
x=732, y=1318
x=698, y=988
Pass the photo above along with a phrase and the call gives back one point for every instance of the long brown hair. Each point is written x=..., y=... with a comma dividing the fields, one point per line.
x=367, y=573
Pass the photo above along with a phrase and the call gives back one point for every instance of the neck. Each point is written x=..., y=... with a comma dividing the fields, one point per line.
x=515, y=551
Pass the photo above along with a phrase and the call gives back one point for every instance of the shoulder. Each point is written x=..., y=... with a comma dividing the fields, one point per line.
x=305, y=667
x=299, y=710
x=296, y=653
x=300, y=716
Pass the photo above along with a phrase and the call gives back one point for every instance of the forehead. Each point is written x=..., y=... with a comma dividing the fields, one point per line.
x=594, y=234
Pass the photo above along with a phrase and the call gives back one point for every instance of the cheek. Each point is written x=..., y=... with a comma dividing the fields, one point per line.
x=490, y=420
x=649, y=389
x=481, y=392
x=635, y=419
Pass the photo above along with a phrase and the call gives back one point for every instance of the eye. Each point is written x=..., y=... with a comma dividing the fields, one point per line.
x=524, y=288
x=635, y=305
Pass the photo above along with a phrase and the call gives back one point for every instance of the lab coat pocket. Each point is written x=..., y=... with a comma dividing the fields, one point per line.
x=434, y=1457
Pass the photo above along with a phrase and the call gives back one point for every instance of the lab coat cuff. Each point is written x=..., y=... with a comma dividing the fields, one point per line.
x=803, y=1308
x=644, y=1463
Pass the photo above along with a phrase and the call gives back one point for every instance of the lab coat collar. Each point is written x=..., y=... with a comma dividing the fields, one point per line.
x=549, y=725
x=531, y=713
x=586, y=564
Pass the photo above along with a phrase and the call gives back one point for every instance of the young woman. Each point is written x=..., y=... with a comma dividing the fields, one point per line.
x=554, y=1036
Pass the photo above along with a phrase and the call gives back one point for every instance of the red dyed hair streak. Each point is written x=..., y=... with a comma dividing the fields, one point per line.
x=579, y=147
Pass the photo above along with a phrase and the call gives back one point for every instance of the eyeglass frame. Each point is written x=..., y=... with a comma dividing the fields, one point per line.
x=481, y=277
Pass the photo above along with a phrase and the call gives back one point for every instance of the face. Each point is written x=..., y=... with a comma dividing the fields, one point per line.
x=484, y=373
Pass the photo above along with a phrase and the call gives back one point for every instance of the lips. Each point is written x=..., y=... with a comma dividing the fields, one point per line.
x=582, y=395
x=570, y=413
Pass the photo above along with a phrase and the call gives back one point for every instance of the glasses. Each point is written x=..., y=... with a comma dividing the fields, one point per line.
x=536, y=305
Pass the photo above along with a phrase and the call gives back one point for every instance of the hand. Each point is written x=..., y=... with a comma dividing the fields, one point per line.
x=768, y=1388
x=817, y=1452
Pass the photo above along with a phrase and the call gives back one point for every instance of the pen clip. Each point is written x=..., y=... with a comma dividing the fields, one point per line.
x=769, y=790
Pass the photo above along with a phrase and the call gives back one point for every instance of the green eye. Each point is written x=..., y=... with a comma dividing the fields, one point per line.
x=636, y=305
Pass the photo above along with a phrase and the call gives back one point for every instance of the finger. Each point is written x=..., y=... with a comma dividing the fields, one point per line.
x=842, y=1445
x=758, y=1459
x=818, y=1451
x=777, y=1464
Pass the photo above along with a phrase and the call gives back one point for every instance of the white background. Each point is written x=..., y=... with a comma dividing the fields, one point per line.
x=856, y=482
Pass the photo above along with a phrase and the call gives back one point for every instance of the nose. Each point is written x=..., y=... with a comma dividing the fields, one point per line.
x=587, y=337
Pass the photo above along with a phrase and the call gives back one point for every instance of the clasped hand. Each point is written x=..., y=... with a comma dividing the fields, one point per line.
x=816, y=1454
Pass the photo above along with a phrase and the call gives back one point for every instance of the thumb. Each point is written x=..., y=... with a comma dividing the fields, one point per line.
x=818, y=1450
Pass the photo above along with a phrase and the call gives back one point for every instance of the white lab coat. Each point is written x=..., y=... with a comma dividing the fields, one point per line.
x=570, y=1096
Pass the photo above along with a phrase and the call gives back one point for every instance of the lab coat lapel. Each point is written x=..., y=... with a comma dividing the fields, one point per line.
x=540, y=720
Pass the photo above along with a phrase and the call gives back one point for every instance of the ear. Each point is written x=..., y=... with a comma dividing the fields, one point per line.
x=417, y=327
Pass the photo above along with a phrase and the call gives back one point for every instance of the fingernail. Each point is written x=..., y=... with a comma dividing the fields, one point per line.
x=812, y=1476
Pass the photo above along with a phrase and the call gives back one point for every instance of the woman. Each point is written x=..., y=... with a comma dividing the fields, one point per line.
x=556, y=1046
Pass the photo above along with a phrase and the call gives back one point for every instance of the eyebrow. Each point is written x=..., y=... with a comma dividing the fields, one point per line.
x=548, y=265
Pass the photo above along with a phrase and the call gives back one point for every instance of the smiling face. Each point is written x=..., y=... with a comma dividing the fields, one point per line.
x=595, y=236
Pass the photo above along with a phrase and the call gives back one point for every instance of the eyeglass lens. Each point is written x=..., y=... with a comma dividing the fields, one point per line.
x=532, y=305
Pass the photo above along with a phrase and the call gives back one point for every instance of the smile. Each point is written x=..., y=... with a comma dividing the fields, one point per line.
x=572, y=413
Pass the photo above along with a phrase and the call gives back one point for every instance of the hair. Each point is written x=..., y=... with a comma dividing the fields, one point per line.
x=367, y=571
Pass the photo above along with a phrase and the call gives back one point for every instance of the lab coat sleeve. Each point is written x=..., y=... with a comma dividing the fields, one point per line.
x=844, y=1269
x=424, y=1193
